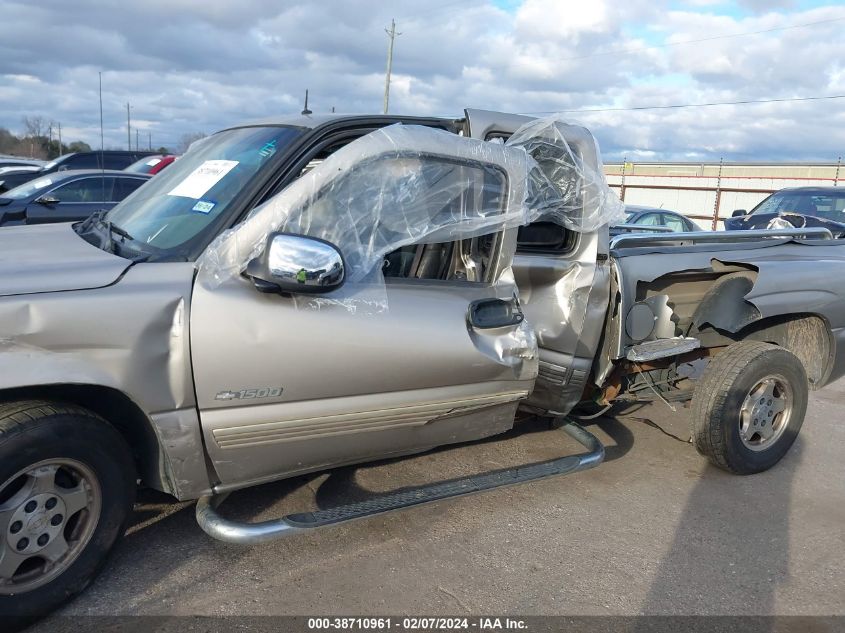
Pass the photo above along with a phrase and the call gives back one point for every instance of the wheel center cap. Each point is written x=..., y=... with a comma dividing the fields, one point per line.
x=35, y=523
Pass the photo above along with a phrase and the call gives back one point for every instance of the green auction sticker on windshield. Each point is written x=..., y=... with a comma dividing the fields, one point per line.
x=203, y=206
x=203, y=178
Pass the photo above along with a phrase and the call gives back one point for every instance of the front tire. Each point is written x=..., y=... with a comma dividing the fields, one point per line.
x=748, y=407
x=67, y=485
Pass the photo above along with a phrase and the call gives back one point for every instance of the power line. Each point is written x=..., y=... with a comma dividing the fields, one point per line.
x=617, y=51
x=693, y=105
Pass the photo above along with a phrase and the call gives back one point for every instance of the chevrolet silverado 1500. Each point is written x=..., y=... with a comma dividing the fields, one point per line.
x=304, y=293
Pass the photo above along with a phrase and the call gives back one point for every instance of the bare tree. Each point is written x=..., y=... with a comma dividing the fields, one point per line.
x=186, y=140
x=35, y=126
x=8, y=141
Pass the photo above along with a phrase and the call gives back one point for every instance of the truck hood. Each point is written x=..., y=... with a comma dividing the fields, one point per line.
x=53, y=258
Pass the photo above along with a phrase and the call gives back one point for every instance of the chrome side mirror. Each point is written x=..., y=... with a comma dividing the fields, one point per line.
x=297, y=264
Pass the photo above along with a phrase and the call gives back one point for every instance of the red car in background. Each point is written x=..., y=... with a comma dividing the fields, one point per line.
x=151, y=164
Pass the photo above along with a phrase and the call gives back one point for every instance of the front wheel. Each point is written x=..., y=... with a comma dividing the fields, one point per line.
x=67, y=485
x=748, y=407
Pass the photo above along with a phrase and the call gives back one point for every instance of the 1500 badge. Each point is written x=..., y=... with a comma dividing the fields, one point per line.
x=250, y=394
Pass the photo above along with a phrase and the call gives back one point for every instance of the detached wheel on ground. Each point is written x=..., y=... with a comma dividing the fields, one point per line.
x=748, y=407
x=67, y=485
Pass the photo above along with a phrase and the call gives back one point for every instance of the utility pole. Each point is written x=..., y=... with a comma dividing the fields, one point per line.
x=150, y=139
x=136, y=139
x=60, y=138
x=392, y=35
x=716, y=204
x=101, y=115
x=128, y=129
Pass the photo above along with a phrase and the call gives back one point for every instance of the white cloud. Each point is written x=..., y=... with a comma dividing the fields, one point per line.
x=564, y=19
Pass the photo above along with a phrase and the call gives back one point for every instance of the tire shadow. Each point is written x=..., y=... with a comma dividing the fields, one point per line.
x=162, y=537
x=730, y=551
x=342, y=486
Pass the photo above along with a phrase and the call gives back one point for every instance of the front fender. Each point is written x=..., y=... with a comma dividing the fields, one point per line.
x=168, y=444
x=23, y=365
x=126, y=342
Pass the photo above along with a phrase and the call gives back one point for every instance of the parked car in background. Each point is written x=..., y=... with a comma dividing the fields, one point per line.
x=109, y=159
x=67, y=196
x=652, y=218
x=796, y=207
x=15, y=162
x=151, y=164
x=18, y=168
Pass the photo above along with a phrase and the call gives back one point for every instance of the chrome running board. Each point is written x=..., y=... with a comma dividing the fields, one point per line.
x=242, y=533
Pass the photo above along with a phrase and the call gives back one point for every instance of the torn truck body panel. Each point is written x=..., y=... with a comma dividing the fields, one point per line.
x=566, y=301
x=566, y=297
x=737, y=286
x=790, y=279
x=725, y=306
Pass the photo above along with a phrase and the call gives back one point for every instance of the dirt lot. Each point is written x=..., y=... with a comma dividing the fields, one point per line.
x=653, y=530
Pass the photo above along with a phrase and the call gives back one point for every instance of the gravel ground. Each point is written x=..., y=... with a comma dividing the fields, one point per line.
x=654, y=530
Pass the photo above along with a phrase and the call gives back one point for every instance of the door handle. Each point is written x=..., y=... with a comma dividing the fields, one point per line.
x=487, y=314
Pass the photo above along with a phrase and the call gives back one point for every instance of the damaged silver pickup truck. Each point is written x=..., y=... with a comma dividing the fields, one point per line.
x=301, y=294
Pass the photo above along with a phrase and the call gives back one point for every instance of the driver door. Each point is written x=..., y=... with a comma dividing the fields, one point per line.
x=284, y=389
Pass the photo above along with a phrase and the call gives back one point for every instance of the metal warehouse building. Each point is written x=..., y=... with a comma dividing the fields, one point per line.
x=709, y=192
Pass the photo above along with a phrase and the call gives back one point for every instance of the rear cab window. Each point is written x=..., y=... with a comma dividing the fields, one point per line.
x=541, y=237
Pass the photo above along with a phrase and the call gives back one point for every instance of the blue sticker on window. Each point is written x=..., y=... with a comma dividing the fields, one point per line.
x=204, y=206
x=269, y=149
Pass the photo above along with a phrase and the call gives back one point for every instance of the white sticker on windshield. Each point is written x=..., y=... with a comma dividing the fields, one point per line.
x=203, y=178
x=40, y=184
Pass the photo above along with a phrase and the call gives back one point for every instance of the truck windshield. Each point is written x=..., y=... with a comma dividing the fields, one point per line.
x=828, y=205
x=178, y=204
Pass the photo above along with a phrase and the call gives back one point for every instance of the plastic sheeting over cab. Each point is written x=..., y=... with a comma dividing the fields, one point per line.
x=405, y=185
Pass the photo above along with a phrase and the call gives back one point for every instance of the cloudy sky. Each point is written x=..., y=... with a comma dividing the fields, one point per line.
x=199, y=65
